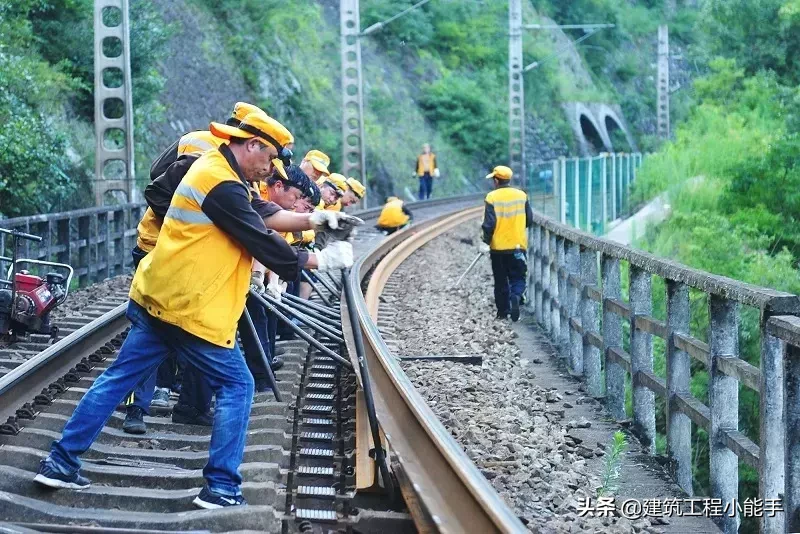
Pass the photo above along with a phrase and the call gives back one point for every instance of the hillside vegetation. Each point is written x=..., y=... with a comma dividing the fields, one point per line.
x=437, y=75
x=733, y=178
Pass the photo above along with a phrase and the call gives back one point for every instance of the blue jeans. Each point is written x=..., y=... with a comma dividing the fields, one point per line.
x=425, y=186
x=147, y=345
x=509, y=271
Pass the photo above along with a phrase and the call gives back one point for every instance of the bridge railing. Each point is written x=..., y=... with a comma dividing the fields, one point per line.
x=97, y=242
x=577, y=297
x=589, y=192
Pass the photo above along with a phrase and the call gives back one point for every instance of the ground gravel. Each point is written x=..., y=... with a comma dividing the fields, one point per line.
x=78, y=300
x=512, y=428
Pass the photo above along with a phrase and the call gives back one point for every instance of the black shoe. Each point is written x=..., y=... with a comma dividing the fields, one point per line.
x=276, y=363
x=188, y=415
x=211, y=501
x=134, y=421
x=47, y=476
x=515, y=308
x=501, y=315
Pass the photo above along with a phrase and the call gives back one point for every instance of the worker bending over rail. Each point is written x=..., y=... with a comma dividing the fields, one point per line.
x=506, y=218
x=187, y=296
x=394, y=216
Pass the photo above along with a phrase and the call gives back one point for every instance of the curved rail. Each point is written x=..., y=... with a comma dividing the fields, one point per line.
x=444, y=489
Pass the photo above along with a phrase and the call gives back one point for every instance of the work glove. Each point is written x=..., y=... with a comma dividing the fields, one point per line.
x=333, y=220
x=257, y=281
x=274, y=289
x=483, y=248
x=337, y=255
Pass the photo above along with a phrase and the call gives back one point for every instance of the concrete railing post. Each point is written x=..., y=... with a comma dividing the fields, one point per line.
x=644, y=408
x=612, y=337
x=544, y=247
x=555, y=303
x=563, y=299
x=679, y=426
x=723, y=394
x=771, y=446
x=791, y=396
x=573, y=257
x=590, y=323
x=537, y=272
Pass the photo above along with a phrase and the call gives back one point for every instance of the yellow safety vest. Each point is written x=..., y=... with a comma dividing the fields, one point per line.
x=196, y=277
x=426, y=163
x=191, y=144
x=509, y=208
x=392, y=215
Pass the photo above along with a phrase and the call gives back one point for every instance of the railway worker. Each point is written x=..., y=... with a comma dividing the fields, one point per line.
x=333, y=188
x=187, y=296
x=155, y=390
x=426, y=170
x=394, y=216
x=286, y=193
x=315, y=164
x=304, y=239
x=355, y=192
x=507, y=215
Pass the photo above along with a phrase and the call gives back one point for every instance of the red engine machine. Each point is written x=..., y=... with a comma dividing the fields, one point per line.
x=26, y=300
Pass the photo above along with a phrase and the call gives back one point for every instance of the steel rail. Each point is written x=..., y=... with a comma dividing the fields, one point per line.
x=446, y=492
x=21, y=384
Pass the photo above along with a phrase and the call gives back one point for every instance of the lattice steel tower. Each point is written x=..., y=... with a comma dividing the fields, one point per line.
x=113, y=96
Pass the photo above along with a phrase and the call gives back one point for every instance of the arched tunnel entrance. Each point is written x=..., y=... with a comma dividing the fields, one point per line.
x=595, y=143
x=619, y=139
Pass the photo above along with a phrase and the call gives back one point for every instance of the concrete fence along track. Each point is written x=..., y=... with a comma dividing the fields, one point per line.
x=576, y=294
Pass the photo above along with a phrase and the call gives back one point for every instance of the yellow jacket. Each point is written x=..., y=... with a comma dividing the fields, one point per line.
x=190, y=144
x=424, y=166
x=507, y=215
x=392, y=215
x=196, y=277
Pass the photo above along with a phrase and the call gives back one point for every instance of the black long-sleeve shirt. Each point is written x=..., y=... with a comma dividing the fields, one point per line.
x=229, y=207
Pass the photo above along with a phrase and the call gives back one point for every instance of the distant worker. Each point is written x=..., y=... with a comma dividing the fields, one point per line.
x=394, y=216
x=427, y=169
x=506, y=217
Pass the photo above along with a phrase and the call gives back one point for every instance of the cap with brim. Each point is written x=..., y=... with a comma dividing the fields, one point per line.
x=319, y=160
x=242, y=110
x=356, y=187
x=336, y=181
x=501, y=172
x=281, y=168
x=256, y=125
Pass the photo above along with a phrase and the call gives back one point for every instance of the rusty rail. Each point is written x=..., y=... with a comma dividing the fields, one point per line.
x=569, y=299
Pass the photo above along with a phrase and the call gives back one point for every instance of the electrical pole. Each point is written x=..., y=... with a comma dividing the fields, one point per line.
x=662, y=89
x=106, y=69
x=516, y=92
x=353, y=153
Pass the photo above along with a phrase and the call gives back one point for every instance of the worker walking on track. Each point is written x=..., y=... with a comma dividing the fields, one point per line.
x=427, y=169
x=506, y=218
x=187, y=296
